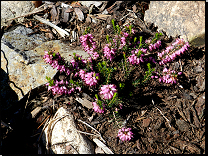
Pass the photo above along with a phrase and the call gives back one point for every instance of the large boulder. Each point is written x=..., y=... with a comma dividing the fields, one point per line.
x=184, y=18
x=12, y=9
x=23, y=67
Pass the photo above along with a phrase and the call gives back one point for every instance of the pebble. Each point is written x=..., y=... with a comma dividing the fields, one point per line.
x=182, y=125
x=177, y=65
x=108, y=26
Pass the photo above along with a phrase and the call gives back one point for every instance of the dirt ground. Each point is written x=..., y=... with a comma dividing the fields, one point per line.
x=174, y=124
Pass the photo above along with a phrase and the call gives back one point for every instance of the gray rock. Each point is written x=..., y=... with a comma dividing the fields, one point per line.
x=63, y=133
x=19, y=39
x=11, y=9
x=27, y=69
x=184, y=18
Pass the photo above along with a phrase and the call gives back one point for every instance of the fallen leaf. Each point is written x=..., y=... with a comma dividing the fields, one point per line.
x=79, y=14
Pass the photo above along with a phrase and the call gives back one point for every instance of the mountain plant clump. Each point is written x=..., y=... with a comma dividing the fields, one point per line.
x=124, y=52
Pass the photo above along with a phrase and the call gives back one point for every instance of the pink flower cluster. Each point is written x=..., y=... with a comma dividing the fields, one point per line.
x=109, y=52
x=97, y=109
x=134, y=59
x=60, y=88
x=169, y=54
x=90, y=78
x=155, y=46
x=89, y=45
x=107, y=91
x=56, y=61
x=169, y=76
x=125, y=134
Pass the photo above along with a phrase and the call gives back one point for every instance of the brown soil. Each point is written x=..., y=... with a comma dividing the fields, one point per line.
x=174, y=125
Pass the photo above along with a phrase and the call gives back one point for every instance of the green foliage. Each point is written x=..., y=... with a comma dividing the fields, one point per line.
x=140, y=42
x=156, y=38
x=147, y=76
x=87, y=30
x=105, y=71
x=114, y=27
x=107, y=38
x=50, y=81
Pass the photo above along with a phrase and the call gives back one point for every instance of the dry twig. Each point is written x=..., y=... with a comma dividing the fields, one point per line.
x=92, y=128
x=58, y=29
x=162, y=114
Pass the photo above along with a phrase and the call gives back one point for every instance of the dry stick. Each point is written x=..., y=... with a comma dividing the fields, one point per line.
x=92, y=128
x=43, y=121
x=87, y=133
x=62, y=32
x=162, y=114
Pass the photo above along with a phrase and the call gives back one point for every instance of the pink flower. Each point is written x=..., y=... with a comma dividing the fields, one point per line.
x=109, y=52
x=91, y=78
x=125, y=134
x=97, y=109
x=107, y=91
x=89, y=45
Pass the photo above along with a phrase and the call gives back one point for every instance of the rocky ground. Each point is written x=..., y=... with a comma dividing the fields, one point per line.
x=165, y=119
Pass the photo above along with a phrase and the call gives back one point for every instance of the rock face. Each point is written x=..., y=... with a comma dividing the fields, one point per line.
x=61, y=136
x=19, y=39
x=23, y=68
x=11, y=9
x=184, y=18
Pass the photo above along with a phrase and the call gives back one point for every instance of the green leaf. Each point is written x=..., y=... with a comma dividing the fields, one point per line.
x=113, y=22
x=135, y=38
x=71, y=81
x=156, y=35
x=140, y=39
x=96, y=96
x=118, y=29
x=107, y=37
x=54, y=54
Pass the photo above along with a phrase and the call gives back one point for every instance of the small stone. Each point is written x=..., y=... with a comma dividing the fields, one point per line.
x=177, y=65
x=108, y=26
x=182, y=125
